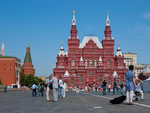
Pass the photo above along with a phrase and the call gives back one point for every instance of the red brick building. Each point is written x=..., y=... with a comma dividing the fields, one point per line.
x=10, y=68
x=89, y=61
x=27, y=67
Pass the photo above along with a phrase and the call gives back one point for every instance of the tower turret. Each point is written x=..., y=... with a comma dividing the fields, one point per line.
x=107, y=31
x=27, y=66
x=108, y=45
x=73, y=30
x=119, y=53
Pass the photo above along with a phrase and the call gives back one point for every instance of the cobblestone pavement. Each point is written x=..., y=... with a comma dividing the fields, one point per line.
x=93, y=102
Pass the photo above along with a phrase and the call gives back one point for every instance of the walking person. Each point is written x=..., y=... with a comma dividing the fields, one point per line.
x=54, y=82
x=109, y=86
x=34, y=90
x=130, y=84
x=115, y=88
x=42, y=89
x=60, y=88
x=48, y=89
x=104, y=87
x=64, y=89
x=121, y=87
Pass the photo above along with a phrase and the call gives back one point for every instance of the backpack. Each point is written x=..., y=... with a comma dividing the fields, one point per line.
x=51, y=86
x=42, y=87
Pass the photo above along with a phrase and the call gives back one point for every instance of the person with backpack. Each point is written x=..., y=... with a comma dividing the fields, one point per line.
x=54, y=82
x=42, y=89
x=34, y=90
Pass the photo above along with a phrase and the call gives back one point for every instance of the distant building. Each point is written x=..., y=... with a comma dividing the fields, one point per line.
x=10, y=68
x=138, y=69
x=130, y=59
x=146, y=70
x=90, y=62
x=42, y=77
x=27, y=67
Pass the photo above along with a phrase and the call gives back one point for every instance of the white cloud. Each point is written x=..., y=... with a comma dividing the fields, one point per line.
x=146, y=15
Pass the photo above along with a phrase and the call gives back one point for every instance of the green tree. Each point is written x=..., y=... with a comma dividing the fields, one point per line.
x=29, y=80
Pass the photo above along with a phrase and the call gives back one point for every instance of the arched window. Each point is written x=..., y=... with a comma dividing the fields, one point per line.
x=72, y=81
x=91, y=63
x=108, y=63
x=100, y=79
x=81, y=79
x=95, y=63
x=73, y=62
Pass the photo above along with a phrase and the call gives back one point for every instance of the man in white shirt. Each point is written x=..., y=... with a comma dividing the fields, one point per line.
x=54, y=82
x=60, y=88
x=34, y=90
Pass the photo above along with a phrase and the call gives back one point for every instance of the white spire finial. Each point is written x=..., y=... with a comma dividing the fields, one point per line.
x=107, y=20
x=62, y=45
x=100, y=59
x=118, y=45
x=81, y=59
x=115, y=74
x=73, y=19
x=3, y=49
x=119, y=53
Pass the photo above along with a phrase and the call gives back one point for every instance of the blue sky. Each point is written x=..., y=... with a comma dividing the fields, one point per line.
x=46, y=23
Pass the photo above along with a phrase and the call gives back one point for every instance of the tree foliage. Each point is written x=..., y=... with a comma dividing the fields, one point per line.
x=29, y=80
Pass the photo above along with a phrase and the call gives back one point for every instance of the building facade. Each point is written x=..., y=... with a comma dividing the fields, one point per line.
x=27, y=67
x=90, y=62
x=10, y=68
x=130, y=59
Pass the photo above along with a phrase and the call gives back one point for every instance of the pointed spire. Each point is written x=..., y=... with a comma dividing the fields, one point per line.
x=66, y=74
x=100, y=59
x=3, y=49
x=61, y=52
x=107, y=20
x=119, y=53
x=62, y=45
x=81, y=59
x=115, y=74
x=73, y=18
x=73, y=30
x=107, y=31
x=28, y=55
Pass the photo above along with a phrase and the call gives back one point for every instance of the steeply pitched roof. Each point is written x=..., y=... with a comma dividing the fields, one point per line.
x=28, y=57
x=86, y=40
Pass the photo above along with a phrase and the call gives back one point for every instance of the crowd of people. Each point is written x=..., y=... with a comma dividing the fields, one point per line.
x=55, y=88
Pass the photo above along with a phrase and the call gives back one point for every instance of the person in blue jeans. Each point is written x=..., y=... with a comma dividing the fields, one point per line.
x=121, y=87
x=60, y=88
x=115, y=88
x=104, y=87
